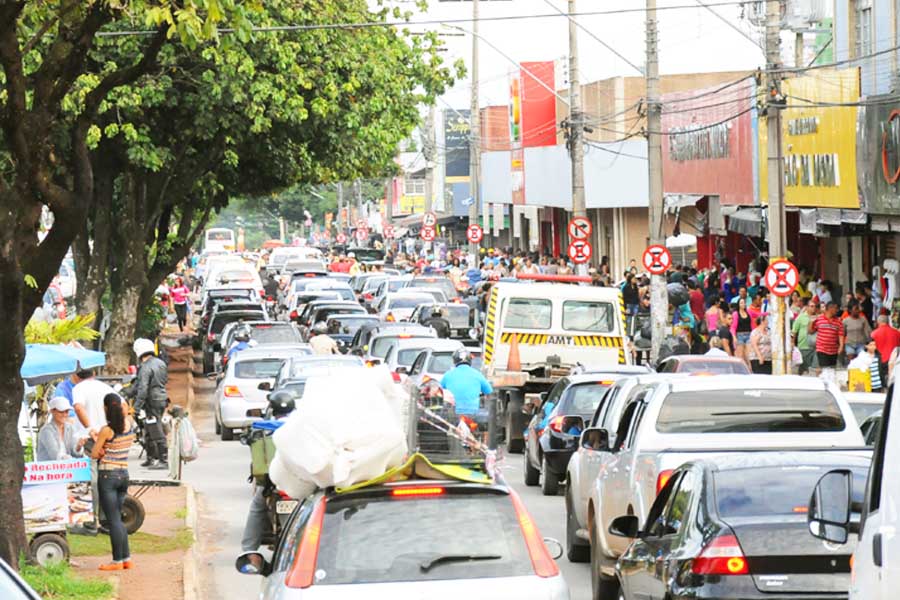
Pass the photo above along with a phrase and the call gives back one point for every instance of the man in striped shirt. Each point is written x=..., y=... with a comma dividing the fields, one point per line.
x=830, y=336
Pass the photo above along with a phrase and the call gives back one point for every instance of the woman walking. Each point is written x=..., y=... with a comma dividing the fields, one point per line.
x=761, y=347
x=111, y=449
x=741, y=327
x=179, y=294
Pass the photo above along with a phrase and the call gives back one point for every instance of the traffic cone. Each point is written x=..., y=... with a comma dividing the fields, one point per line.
x=514, y=362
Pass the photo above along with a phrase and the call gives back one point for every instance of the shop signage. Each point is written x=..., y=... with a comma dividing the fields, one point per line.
x=878, y=156
x=57, y=471
x=693, y=143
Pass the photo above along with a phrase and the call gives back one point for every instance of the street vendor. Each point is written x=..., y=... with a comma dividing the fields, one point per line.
x=58, y=439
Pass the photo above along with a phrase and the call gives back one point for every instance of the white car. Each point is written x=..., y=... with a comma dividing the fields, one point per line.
x=403, y=352
x=399, y=306
x=437, y=294
x=239, y=401
x=329, y=284
x=668, y=423
x=382, y=341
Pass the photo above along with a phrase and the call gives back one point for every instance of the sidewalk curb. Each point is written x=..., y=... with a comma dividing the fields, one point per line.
x=114, y=582
x=191, y=576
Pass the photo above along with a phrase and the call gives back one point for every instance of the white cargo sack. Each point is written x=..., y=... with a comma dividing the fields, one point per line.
x=348, y=428
x=188, y=442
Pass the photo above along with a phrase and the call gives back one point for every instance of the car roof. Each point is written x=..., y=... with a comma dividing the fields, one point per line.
x=749, y=459
x=747, y=382
x=406, y=328
x=438, y=345
x=614, y=370
x=226, y=313
x=591, y=377
x=402, y=294
x=706, y=358
x=285, y=351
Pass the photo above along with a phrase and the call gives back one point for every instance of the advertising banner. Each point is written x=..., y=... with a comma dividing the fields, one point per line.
x=818, y=136
x=538, y=104
x=710, y=142
x=456, y=144
x=878, y=154
x=56, y=494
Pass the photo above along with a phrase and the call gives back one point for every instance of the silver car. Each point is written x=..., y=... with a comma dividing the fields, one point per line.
x=412, y=539
x=239, y=400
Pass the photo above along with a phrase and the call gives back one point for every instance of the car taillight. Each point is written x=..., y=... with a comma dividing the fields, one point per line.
x=283, y=495
x=722, y=556
x=368, y=296
x=662, y=479
x=541, y=561
x=232, y=391
x=556, y=424
x=293, y=314
x=303, y=570
x=417, y=492
x=270, y=299
x=395, y=376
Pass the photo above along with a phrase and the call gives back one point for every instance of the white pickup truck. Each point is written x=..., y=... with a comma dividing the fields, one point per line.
x=667, y=423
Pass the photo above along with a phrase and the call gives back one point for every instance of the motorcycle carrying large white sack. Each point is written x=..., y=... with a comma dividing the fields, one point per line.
x=348, y=428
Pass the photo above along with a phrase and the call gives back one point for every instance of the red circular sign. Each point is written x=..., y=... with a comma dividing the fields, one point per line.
x=388, y=231
x=362, y=234
x=657, y=259
x=341, y=238
x=781, y=277
x=580, y=228
x=580, y=251
x=427, y=234
x=474, y=233
x=429, y=220
x=361, y=224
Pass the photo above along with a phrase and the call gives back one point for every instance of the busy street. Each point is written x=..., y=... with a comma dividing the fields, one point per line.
x=531, y=300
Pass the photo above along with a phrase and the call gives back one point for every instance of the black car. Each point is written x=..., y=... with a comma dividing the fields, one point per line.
x=552, y=434
x=736, y=528
x=211, y=343
x=342, y=328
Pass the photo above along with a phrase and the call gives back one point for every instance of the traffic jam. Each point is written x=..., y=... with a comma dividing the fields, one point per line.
x=381, y=400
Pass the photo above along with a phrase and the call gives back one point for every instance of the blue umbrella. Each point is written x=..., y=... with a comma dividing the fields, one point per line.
x=46, y=362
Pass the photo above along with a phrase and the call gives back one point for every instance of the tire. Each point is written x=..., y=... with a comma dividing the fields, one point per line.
x=227, y=434
x=576, y=550
x=602, y=587
x=218, y=426
x=532, y=475
x=549, y=480
x=133, y=514
x=207, y=364
x=513, y=446
x=49, y=549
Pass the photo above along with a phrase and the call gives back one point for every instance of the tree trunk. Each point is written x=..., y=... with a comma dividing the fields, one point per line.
x=91, y=249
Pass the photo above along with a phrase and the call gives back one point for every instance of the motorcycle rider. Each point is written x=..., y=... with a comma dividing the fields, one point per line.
x=437, y=322
x=241, y=341
x=319, y=340
x=467, y=385
x=150, y=396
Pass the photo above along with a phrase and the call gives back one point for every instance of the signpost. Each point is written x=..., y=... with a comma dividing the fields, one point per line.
x=341, y=238
x=389, y=231
x=427, y=234
x=781, y=277
x=429, y=220
x=580, y=251
x=474, y=233
x=657, y=259
x=580, y=228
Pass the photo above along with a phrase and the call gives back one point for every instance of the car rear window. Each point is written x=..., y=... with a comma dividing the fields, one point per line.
x=441, y=283
x=863, y=410
x=346, y=325
x=528, y=313
x=441, y=362
x=765, y=411
x=221, y=321
x=584, y=398
x=406, y=302
x=307, y=368
x=274, y=334
x=715, y=367
x=773, y=491
x=406, y=357
x=406, y=533
x=257, y=369
x=582, y=315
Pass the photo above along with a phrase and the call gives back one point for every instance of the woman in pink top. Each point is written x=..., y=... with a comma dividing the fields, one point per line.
x=180, y=296
x=713, y=318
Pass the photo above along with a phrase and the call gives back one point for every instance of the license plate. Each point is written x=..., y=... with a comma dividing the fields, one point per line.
x=285, y=507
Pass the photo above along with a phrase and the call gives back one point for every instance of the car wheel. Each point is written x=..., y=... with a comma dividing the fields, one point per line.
x=532, y=475
x=576, y=550
x=227, y=434
x=513, y=446
x=550, y=481
x=218, y=426
x=602, y=587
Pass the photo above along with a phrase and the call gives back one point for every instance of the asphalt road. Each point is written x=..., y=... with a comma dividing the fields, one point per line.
x=219, y=477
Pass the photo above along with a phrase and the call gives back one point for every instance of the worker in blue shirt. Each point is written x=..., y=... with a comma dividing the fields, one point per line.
x=467, y=385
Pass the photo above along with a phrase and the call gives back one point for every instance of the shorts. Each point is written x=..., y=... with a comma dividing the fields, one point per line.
x=826, y=361
x=854, y=349
x=743, y=338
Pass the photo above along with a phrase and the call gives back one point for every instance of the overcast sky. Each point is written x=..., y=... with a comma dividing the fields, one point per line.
x=691, y=40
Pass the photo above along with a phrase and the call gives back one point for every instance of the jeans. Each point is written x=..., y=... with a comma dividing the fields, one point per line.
x=113, y=485
x=181, y=314
x=258, y=523
x=154, y=436
x=854, y=349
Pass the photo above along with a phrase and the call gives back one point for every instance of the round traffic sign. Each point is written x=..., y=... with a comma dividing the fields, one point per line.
x=781, y=277
x=580, y=228
x=657, y=259
x=580, y=251
x=389, y=231
x=474, y=233
x=341, y=238
x=427, y=234
x=429, y=220
x=362, y=234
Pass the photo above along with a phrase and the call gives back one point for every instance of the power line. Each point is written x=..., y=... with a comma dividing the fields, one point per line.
x=729, y=23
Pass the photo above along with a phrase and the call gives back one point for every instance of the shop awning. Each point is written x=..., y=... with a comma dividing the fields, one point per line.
x=673, y=202
x=746, y=221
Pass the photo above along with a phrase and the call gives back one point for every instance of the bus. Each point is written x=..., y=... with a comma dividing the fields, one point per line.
x=218, y=239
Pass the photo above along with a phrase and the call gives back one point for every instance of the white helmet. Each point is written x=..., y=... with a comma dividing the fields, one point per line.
x=143, y=346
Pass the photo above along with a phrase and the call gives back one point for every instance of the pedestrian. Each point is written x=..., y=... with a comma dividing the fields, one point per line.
x=857, y=330
x=723, y=329
x=151, y=397
x=760, y=347
x=803, y=339
x=180, y=297
x=713, y=317
x=319, y=340
x=875, y=367
x=111, y=450
x=696, y=300
x=58, y=438
x=631, y=294
x=715, y=347
x=829, y=337
x=741, y=327
x=886, y=339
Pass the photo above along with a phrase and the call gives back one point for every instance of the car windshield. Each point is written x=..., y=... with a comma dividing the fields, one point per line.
x=528, y=313
x=768, y=411
x=582, y=315
x=348, y=325
x=406, y=356
x=257, y=369
x=863, y=410
x=397, y=284
x=305, y=368
x=344, y=293
x=406, y=302
x=303, y=265
x=223, y=319
x=441, y=362
x=584, y=398
x=382, y=344
x=716, y=367
x=274, y=334
x=774, y=491
x=441, y=283
x=409, y=533
x=371, y=284
x=233, y=276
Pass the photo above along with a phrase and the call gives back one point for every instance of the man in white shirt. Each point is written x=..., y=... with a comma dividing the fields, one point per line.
x=87, y=399
x=715, y=347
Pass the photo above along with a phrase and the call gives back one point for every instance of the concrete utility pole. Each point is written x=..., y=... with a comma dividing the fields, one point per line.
x=389, y=206
x=474, y=131
x=340, y=201
x=777, y=244
x=428, y=151
x=659, y=297
x=576, y=125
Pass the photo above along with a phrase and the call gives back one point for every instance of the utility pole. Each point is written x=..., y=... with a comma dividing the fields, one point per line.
x=798, y=50
x=576, y=125
x=340, y=200
x=659, y=297
x=474, y=131
x=428, y=151
x=775, y=180
x=389, y=207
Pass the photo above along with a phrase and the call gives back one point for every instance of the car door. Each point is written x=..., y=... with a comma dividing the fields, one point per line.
x=541, y=418
x=665, y=541
x=286, y=548
x=590, y=458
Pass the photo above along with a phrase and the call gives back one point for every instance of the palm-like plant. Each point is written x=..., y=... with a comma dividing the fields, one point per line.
x=61, y=331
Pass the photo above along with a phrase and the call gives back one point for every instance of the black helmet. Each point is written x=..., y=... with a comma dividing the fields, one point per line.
x=462, y=356
x=242, y=334
x=282, y=403
x=436, y=312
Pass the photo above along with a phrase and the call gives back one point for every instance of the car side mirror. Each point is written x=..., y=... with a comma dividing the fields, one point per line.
x=252, y=563
x=543, y=396
x=626, y=526
x=828, y=513
x=265, y=386
x=595, y=438
x=402, y=370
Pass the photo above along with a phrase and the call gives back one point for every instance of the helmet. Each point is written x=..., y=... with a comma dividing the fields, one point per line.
x=320, y=328
x=436, y=312
x=282, y=403
x=462, y=356
x=242, y=334
x=143, y=346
